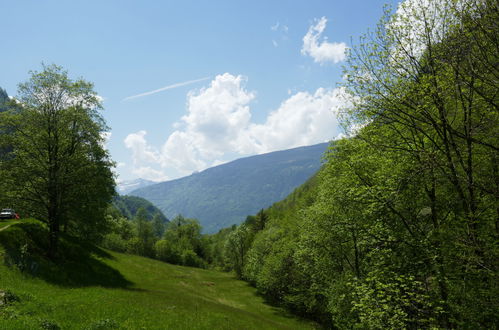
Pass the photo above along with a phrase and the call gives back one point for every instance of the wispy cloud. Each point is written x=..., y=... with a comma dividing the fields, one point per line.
x=180, y=84
x=322, y=51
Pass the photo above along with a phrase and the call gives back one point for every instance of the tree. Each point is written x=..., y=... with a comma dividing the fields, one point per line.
x=145, y=234
x=59, y=170
x=425, y=85
x=158, y=225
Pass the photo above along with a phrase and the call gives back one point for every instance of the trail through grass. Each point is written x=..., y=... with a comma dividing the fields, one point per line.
x=4, y=224
x=140, y=294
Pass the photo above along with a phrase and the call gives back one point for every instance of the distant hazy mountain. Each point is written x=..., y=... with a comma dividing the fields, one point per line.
x=125, y=187
x=224, y=195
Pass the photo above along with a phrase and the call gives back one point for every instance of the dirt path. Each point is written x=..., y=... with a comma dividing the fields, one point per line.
x=3, y=228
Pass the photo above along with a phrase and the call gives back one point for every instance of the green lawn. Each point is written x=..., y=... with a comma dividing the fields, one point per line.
x=112, y=290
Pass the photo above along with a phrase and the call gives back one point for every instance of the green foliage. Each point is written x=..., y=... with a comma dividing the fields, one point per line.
x=129, y=205
x=385, y=300
x=145, y=234
x=182, y=243
x=57, y=169
x=399, y=228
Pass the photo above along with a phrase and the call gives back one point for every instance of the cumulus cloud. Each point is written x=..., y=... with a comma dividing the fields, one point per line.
x=146, y=159
x=322, y=51
x=149, y=173
x=141, y=151
x=218, y=125
x=303, y=119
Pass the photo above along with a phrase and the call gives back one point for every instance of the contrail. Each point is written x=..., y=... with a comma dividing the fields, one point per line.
x=166, y=88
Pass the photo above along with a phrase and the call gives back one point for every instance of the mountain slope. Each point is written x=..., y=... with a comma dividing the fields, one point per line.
x=224, y=195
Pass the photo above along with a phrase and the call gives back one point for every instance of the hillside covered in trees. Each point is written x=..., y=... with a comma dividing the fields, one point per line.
x=400, y=228
x=129, y=206
x=224, y=195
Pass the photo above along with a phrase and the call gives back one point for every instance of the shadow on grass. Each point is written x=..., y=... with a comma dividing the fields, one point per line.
x=281, y=309
x=79, y=263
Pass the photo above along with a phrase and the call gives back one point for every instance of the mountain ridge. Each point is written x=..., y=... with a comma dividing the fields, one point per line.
x=225, y=194
x=126, y=186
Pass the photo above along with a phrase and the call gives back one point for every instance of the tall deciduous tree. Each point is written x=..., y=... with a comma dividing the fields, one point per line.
x=59, y=171
x=426, y=84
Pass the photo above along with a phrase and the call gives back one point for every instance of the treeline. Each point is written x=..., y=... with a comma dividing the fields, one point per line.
x=178, y=241
x=400, y=227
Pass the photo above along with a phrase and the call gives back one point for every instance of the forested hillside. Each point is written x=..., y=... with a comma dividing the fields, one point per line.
x=400, y=227
x=224, y=195
x=129, y=206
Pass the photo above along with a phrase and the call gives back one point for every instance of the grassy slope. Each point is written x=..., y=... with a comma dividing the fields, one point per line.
x=152, y=295
x=6, y=223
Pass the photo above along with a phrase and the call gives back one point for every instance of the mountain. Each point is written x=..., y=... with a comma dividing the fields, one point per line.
x=125, y=187
x=224, y=195
x=129, y=205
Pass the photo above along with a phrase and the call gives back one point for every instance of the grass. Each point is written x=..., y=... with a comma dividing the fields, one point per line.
x=5, y=223
x=106, y=290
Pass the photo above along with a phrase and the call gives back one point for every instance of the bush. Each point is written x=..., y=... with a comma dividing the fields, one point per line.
x=190, y=258
x=166, y=251
x=114, y=242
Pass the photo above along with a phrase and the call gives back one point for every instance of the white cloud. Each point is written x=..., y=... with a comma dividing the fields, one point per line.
x=322, y=52
x=218, y=126
x=144, y=157
x=141, y=152
x=215, y=118
x=176, y=85
x=148, y=173
x=302, y=119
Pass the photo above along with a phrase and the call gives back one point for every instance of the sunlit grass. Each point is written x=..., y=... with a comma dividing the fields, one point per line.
x=5, y=223
x=140, y=294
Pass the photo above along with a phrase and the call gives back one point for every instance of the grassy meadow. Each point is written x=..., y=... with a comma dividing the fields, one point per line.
x=96, y=289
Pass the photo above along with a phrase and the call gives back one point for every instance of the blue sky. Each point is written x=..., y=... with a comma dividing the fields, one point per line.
x=238, y=77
